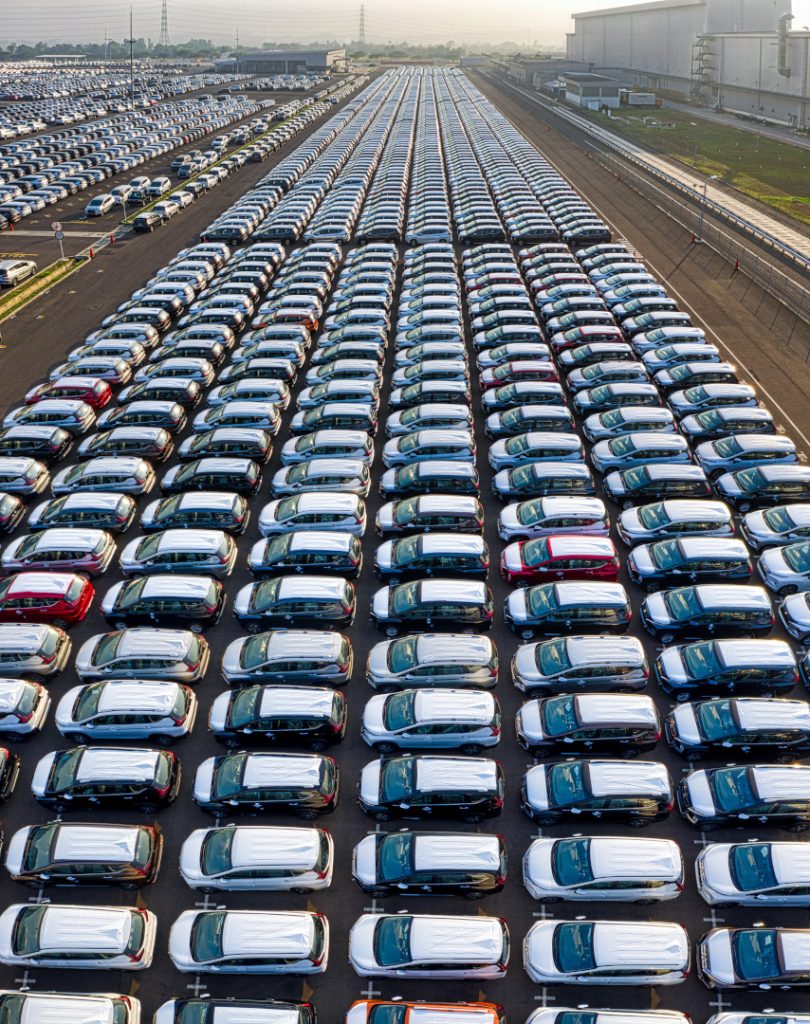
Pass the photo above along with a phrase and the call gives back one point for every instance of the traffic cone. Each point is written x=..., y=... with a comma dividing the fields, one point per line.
x=112, y=239
x=92, y=254
x=11, y=225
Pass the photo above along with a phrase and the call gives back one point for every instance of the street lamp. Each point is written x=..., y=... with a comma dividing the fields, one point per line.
x=698, y=236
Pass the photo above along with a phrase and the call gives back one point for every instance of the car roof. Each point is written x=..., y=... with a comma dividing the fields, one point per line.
x=123, y=695
x=447, y=503
x=616, y=778
x=589, y=650
x=270, y=846
x=754, y=714
x=643, y=943
x=463, y=706
x=323, y=587
x=104, y=929
x=573, y=505
x=612, y=708
x=713, y=547
x=576, y=592
x=780, y=782
x=613, y=857
x=795, y=949
x=95, y=842
x=289, y=643
x=152, y=642
x=754, y=652
x=449, y=773
x=190, y=540
x=281, y=770
x=456, y=851
x=564, y=546
x=439, y=939
x=267, y=933
x=451, y=543
x=47, y=1008
x=724, y=595
x=295, y=700
x=456, y=591
x=132, y=763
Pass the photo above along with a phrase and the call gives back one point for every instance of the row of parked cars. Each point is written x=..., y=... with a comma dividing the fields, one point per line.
x=440, y=673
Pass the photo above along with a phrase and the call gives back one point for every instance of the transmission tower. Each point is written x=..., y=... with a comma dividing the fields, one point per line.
x=164, y=25
x=361, y=33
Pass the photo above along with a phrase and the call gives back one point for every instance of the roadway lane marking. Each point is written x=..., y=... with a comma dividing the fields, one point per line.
x=544, y=998
x=36, y=233
x=197, y=986
x=688, y=306
x=17, y=255
x=26, y=981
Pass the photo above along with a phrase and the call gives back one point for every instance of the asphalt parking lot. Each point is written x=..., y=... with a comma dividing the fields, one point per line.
x=37, y=339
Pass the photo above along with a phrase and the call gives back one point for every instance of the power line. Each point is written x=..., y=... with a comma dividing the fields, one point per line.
x=164, y=39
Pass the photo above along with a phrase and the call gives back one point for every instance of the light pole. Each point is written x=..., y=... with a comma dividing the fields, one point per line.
x=698, y=236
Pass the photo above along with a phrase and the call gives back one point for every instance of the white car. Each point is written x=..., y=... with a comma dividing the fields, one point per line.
x=781, y=524
x=786, y=569
x=248, y=858
x=592, y=952
x=754, y=874
x=429, y=946
x=124, y=709
x=71, y=936
x=603, y=868
x=42, y=1007
x=249, y=942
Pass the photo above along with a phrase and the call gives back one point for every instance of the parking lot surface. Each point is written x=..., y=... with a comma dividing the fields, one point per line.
x=445, y=175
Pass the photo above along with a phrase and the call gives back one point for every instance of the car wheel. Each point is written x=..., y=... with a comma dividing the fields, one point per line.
x=81, y=738
x=798, y=826
x=473, y=819
x=637, y=823
x=195, y=627
x=307, y=814
x=59, y=623
x=129, y=886
x=253, y=627
x=784, y=592
x=301, y=891
x=385, y=748
x=527, y=634
x=744, y=507
x=644, y=903
x=692, y=755
x=381, y=816
x=391, y=631
x=627, y=504
x=474, y=894
x=666, y=638
x=628, y=753
x=162, y=740
x=549, y=899
x=471, y=748
x=544, y=819
x=120, y=625
x=682, y=697
x=149, y=808
x=705, y=826
x=205, y=889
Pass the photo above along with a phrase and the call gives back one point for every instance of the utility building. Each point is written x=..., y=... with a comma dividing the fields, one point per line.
x=284, y=62
x=735, y=55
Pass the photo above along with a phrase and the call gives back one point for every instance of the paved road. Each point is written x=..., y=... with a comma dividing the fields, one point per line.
x=35, y=343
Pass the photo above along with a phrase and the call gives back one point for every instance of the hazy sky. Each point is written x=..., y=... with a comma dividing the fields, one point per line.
x=465, y=21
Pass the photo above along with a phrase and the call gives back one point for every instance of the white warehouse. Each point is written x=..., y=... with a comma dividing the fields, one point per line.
x=738, y=55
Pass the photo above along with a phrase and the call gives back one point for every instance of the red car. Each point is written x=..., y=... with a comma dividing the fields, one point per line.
x=560, y=557
x=54, y=598
x=93, y=390
x=520, y=369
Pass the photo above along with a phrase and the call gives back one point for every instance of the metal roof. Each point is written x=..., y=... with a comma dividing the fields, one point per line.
x=72, y=537
x=564, y=546
x=264, y=933
x=720, y=595
x=744, y=652
x=469, y=706
x=291, y=643
x=223, y=1013
x=329, y=541
x=95, y=842
x=600, y=650
x=11, y=692
x=615, y=709
x=617, y=778
x=456, y=591
x=713, y=547
x=44, y=1008
x=642, y=943
x=153, y=643
x=273, y=846
x=177, y=586
x=794, y=946
x=454, y=648
x=103, y=929
x=190, y=540
x=48, y=584
x=439, y=939
x=634, y=858
x=295, y=700
x=281, y=770
x=440, y=773
x=578, y=593
x=757, y=713
x=323, y=587
x=781, y=782
x=124, y=696
x=457, y=852
x=135, y=764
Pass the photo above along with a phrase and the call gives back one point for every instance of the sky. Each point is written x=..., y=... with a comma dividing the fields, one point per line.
x=531, y=23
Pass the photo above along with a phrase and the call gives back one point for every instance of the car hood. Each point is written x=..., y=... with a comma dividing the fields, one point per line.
x=536, y=789
x=370, y=783
x=686, y=726
x=719, y=963
x=204, y=780
x=700, y=794
x=364, y=860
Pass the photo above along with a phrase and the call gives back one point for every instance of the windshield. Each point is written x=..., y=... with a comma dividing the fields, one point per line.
x=243, y=707
x=755, y=953
x=750, y=479
x=797, y=557
x=778, y=519
x=410, y=443
x=751, y=867
x=559, y=716
x=710, y=418
x=516, y=445
x=399, y=711
x=622, y=445
x=571, y=862
x=716, y=719
x=394, y=857
x=653, y=516
x=573, y=948
x=406, y=550
x=286, y=509
x=397, y=779
x=405, y=598
x=228, y=775
x=552, y=657
x=700, y=660
x=206, y=936
x=149, y=546
x=523, y=476
x=216, y=851
x=193, y=1012
x=566, y=783
x=63, y=773
x=666, y=554
x=405, y=510
x=38, y=847
x=26, y=930
x=385, y=1013
x=254, y=652
x=392, y=941
x=541, y=600
x=635, y=478
x=732, y=789
x=87, y=703
x=682, y=604
x=402, y=654
x=535, y=552
x=727, y=446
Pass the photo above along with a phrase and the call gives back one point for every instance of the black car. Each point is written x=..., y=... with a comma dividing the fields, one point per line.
x=433, y=476
x=152, y=443
x=186, y=393
x=433, y=605
x=759, y=794
x=740, y=727
x=699, y=612
x=100, y=777
x=634, y=792
x=147, y=221
x=202, y=510
x=592, y=723
x=205, y=1011
x=9, y=771
x=170, y=416
x=307, y=552
x=242, y=476
x=432, y=554
x=708, y=668
x=304, y=602
x=307, y=716
x=233, y=442
x=693, y=559
x=410, y=863
x=48, y=444
x=174, y=601
x=12, y=509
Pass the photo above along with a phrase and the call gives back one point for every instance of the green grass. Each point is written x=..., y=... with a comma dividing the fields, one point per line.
x=773, y=172
x=37, y=284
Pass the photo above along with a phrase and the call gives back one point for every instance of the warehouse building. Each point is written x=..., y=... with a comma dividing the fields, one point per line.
x=284, y=62
x=735, y=55
x=592, y=91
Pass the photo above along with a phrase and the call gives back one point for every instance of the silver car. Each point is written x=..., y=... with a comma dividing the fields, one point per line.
x=180, y=551
x=123, y=709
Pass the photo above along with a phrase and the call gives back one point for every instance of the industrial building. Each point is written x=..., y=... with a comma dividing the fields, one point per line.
x=591, y=91
x=735, y=55
x=284, y=62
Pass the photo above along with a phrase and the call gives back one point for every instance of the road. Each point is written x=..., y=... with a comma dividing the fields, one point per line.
x=40, y=336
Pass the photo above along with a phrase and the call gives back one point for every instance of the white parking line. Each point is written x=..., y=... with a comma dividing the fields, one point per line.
x=691, y=310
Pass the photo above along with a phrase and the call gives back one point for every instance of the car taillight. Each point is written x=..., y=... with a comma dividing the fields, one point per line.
x=25, y=718
x=496, y=730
